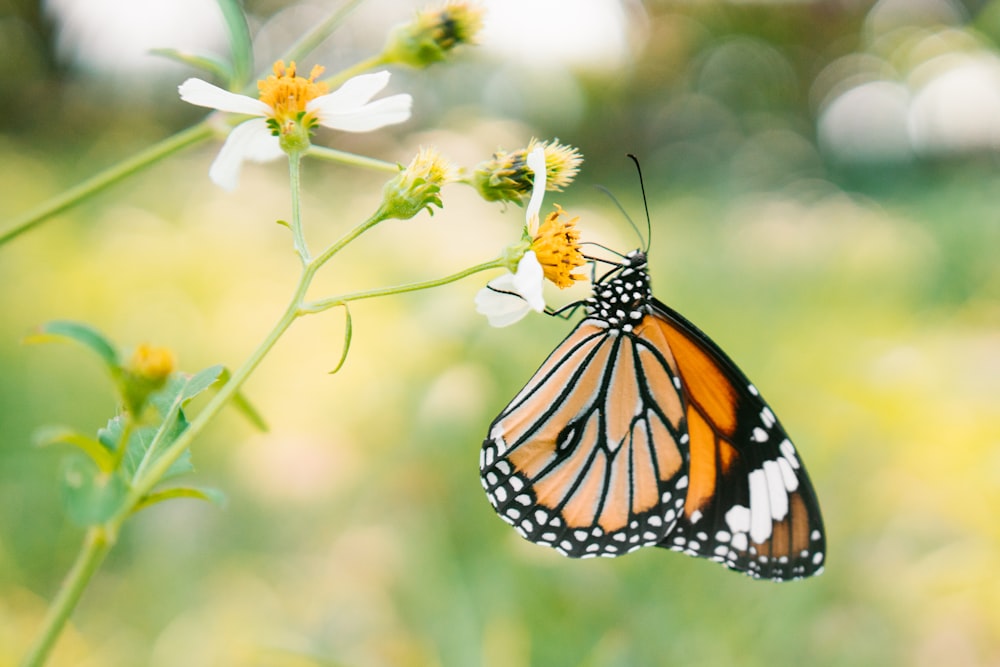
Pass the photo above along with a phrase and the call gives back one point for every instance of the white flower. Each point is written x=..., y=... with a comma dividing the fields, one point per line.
x=288, y=108
x=507, y=299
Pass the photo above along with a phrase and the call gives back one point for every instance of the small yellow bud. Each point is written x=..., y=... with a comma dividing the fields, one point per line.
x=146, y=372
x=154, y=364
x=433, y=33
x=417, y=186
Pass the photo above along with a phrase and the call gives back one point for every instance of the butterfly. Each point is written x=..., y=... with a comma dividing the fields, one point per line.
x=638, y=431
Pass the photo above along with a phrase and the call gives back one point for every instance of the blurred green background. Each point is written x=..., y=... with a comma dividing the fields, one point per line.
x=823, y=183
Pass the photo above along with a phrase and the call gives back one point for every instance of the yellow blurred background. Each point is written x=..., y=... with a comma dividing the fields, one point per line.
x=823, y=185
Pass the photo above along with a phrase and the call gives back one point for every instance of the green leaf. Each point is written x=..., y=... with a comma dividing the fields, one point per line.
x=140, y=442
x=201, y=381
x=60, y=435
x=181, y=388
x=83, y=334
x=90, y=496
x=240, y=44
x=348, y=332
x=213, y=496
x=243, y=405
x=216, y=67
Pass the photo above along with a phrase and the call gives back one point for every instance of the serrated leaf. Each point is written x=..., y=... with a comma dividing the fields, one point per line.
x=213, y=496
x=90, y=496
x=83, y=334
x=140, y=442
x=215, y=67
x=181, y=388
x=201, y=381
x=60, y=435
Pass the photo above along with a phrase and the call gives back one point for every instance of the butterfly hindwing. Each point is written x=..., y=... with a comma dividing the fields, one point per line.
x=587, y=458
x=750, y=504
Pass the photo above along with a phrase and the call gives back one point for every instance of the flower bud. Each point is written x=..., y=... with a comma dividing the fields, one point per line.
x=432, y=34
x=416, y=187
x=507, y=177
x=146, y=371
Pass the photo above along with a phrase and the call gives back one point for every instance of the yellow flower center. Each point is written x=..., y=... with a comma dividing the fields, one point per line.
x=557, y=247
x=287, y=93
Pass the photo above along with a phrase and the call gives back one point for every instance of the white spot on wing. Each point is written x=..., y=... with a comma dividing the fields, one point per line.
x=738, y=519
x=778, y=497
x=789, y=451
x=788, y=475
x=760, y=507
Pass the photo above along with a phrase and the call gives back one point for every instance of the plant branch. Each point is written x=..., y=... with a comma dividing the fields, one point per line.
x=105, y=179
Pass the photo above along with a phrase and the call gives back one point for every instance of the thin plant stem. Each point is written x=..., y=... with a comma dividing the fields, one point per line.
x=343, y=157
x=342, y=76
x=96, y=546
x=308, y=42
x=295, y=177
x=105, y=179
x=325, y=304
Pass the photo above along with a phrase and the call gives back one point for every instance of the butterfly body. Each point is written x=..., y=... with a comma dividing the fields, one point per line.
x=639, y=431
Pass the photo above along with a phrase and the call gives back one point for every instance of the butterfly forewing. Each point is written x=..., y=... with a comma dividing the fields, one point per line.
x=587, y=457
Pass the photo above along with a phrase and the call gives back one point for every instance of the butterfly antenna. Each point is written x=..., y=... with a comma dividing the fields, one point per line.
x=623, y=212
x=645, y=203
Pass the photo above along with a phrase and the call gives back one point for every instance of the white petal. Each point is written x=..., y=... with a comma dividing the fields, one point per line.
x=536, y=162
x=502, y=309
x=251, y=140
x=364, y=118
x=203, y=94
x=510, y=297
x=358, y=90
x=528, y=281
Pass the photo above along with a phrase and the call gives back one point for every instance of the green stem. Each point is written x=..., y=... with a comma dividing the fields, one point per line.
x=105, y=179
x=95, y=548
x=294, y=175
x=333, y=155
x=126, y=435
x=141, y=486
x=318, y=35
x=332, y=302
x=342, y=76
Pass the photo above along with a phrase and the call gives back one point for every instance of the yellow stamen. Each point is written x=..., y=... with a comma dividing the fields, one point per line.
x=287, y=94
x=557, y=247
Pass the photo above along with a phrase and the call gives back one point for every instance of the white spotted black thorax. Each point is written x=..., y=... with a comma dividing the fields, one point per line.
x=621, y=297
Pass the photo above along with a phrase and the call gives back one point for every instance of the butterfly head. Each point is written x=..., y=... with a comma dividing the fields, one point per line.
x=621, y=296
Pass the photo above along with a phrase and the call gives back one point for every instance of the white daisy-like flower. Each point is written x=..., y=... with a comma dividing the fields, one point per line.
x=507, y=299
x=288, y=108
